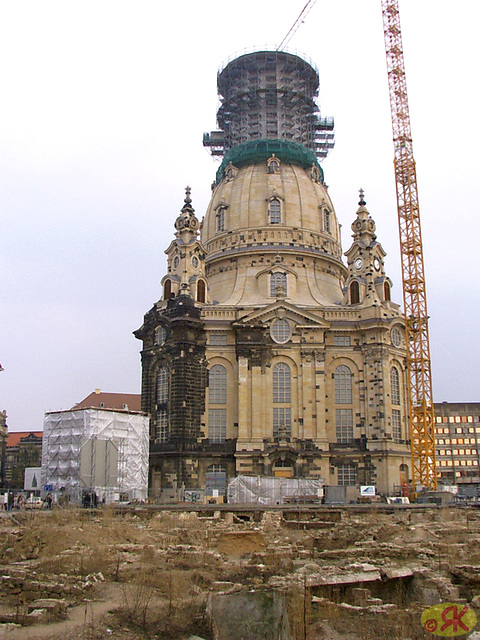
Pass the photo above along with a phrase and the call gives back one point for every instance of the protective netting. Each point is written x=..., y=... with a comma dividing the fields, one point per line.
x=263, y=490
x=95, y=451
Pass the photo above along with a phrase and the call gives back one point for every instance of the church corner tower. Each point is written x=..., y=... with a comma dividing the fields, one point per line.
x=268, y=355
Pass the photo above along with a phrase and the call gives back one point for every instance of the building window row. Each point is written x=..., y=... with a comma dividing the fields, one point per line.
x=457, y=441
x=458, y=463
x=457, y=419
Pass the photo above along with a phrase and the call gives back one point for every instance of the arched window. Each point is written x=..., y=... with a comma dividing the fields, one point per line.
x=273, y=166
x=343, y=385
x=201, y=291
x=354, y=292
x=274, y=211
x=395, y=385
x=167, y=290
x=217, y=384
x=278, y=285
x=281, y=383
x=162, y=385
x=386, y=291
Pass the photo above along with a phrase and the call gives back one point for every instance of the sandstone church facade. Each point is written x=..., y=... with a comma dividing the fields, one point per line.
x=267, y=354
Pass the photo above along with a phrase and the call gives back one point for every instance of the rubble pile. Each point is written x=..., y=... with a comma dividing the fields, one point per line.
x=316, y=573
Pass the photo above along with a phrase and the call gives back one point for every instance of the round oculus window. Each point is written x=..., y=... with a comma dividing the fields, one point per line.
x=176, y=262
x=194, y=262
x=281, y=331
x=396, y=336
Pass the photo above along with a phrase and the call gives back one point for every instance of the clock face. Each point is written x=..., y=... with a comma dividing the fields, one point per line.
x=358, y=264
x=376, y=264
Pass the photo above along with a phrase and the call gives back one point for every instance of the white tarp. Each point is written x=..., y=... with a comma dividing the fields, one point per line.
x=96, y=450
x=270, y=490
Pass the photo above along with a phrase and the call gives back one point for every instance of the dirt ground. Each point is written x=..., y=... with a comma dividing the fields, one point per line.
x=141, y=575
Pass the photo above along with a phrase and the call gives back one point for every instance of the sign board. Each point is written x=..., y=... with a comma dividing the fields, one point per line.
x=48, y=487
x=367, y=490
x=32, y=479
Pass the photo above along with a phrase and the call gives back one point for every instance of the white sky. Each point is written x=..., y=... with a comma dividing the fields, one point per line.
x=102, y=111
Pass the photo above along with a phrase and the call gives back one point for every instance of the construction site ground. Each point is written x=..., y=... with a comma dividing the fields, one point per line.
x=232, y=573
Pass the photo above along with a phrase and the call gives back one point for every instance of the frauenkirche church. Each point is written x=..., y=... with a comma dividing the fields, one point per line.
x=267, y=355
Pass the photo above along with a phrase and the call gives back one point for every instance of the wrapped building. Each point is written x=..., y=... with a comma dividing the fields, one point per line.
x=95, y=451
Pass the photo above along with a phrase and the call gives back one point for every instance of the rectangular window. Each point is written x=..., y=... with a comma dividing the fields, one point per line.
x=162, y=385
x=161, y=426
x=341, y=341
x=217, y=425
x=275, y=211
x=326, y=221
x=282, y=422
x=344, y=425
x=221, y=219
x=218, y=339
x=396, y=425
x=347, y=475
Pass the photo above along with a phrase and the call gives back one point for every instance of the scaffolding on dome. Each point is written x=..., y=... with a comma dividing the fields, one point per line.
x=95, y=451
x=269, y=95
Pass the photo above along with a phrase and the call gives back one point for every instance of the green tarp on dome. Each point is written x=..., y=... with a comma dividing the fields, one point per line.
x=260, y=150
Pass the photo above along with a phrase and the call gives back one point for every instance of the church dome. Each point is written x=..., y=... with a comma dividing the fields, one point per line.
x=272, y=211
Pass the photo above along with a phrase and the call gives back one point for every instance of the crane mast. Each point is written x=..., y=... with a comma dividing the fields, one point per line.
x=422, y=416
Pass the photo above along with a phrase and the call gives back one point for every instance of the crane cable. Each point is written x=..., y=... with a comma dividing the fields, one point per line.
x=301, y=18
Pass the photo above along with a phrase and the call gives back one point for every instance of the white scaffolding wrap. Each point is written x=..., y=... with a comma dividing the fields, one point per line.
x=96, y=450
x=269, y=490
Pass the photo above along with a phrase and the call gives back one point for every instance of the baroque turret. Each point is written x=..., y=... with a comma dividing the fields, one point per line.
x=367, y=283
x=186, y=257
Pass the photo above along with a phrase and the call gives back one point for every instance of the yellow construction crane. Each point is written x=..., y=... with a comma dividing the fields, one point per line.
x=422, y=416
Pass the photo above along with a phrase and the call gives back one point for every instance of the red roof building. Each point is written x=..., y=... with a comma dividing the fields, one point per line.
x=116, y=401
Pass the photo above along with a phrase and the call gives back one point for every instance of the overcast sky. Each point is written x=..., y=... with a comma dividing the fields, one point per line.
x=101, y=118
